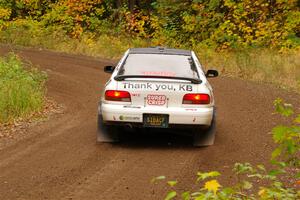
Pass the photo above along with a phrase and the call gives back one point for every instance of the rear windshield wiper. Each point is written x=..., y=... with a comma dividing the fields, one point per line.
x=123, y=77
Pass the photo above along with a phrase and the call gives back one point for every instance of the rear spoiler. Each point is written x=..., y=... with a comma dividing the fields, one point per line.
x=123, y=77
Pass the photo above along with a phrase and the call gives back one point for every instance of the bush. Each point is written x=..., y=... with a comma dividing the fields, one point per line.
x=22, y=89
x=220, y=24
x=256, y=182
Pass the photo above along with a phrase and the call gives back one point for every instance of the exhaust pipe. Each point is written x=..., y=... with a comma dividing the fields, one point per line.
x=128, y=125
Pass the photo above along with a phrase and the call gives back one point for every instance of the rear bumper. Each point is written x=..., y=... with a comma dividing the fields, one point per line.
x=120, y=114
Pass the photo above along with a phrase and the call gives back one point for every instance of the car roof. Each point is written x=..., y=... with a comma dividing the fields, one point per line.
x=160, y=50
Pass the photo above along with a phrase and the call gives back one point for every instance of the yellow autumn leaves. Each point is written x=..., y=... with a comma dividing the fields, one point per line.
x=4, y=13
x=245, y=23
x=220, y=24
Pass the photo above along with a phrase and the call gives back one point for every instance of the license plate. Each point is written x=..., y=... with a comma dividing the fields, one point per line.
x=156, y=120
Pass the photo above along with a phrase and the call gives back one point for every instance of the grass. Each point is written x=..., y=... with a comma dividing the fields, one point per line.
x=22, y=89
x=264, y=65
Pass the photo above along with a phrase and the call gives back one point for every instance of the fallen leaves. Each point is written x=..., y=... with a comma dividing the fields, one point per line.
x=19, y=126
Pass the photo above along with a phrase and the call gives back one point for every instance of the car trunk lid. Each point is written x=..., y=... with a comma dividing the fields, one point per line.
x=157, y=93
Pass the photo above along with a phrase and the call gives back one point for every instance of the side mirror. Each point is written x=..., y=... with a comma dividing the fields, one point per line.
x=212, y=73
x=109, y=69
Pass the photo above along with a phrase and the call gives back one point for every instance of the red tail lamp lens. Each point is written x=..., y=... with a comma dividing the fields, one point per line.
x=196, y=99
x=116, y=95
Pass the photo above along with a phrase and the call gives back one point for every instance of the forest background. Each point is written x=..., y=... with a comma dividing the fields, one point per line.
x=253, y=39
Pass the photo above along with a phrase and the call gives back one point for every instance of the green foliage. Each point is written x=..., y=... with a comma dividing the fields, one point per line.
x=171, y=195
x=172, y=183
x=219, y=24
x=21, y=89
x=158, y=178
x=203, y=176
x=257, y=182
x=283, y=108
x=286, y=137
x=76, y=27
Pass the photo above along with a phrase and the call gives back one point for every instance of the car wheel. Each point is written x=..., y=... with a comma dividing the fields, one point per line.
x=206, y=137
x=106, y=133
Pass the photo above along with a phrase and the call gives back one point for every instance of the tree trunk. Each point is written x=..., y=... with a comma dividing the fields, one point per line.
x=14, y=10
x=118, y=4
x=131, y=4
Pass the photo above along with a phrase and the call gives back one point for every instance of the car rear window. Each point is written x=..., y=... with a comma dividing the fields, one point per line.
x=159, y=65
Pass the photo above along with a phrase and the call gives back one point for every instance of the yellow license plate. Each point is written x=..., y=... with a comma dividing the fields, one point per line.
x=156, y=120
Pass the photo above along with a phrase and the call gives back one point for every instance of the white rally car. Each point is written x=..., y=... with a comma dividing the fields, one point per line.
x=158, y=88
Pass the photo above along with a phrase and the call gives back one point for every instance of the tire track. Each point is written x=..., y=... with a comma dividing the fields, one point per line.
x=60, y=159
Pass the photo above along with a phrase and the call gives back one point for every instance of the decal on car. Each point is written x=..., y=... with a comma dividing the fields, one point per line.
x=191, y=109
x=137, y=86
x=129, y=118
x=135, y=94
x=158, y=73
x=131, y=106
x=158, y=86
x=158, y=100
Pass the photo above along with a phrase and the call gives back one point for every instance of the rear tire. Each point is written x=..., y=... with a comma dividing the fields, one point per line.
x=206, y=137
x=106, y=133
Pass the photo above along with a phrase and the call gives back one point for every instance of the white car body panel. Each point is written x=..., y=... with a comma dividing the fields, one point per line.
x=157, y=96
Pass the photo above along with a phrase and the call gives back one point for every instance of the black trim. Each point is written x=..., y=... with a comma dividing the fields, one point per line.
x=170, y=126
x=123, y=77
x=160, y=50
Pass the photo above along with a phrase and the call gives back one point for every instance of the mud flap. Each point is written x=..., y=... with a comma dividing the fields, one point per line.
x=206, y=137
x=106, y=133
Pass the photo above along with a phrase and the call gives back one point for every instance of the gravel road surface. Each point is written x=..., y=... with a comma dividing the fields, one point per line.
x=60, y=159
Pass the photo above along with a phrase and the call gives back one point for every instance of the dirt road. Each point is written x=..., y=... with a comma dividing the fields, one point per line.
x=59, y=159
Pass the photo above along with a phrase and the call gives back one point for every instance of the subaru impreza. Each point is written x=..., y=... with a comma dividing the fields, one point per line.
x=158, y=88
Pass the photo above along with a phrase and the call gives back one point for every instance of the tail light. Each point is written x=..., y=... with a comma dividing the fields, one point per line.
x=116, y=95
x=196, y=99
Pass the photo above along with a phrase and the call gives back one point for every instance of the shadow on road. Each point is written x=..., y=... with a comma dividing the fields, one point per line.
x=155, y=138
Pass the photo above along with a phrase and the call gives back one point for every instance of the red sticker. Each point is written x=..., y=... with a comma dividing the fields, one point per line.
x=158, y=100
x=158, y=73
